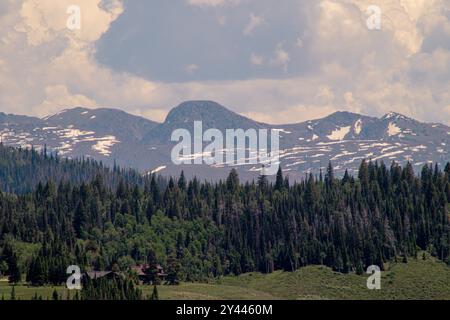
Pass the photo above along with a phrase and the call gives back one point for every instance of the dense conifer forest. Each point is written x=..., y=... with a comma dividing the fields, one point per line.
x=22, y=169
x=55, y=213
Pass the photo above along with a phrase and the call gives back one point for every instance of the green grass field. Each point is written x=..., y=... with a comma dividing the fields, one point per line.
x=418, y=279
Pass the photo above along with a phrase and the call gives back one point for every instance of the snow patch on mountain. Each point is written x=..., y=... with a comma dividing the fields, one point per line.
x=74, y=133
x=339, y=134
x=395, y=115
x=305, y=147
x=64, y=148
x=343, y=154
x=388, y=155
x=358, y=127
x=282, y=131
x=393, y=130
x=159, y=169
x=104, y=145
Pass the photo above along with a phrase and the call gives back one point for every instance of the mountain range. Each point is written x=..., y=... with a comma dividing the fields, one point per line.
x=344, y=138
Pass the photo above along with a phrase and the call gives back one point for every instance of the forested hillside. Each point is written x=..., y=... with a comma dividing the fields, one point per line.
x=200, y=230
x=22, y=169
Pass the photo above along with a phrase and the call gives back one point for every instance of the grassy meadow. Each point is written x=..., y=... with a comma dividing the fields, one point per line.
x=427, y=279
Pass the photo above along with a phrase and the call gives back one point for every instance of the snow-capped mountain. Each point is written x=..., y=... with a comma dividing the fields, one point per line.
x=343, y=138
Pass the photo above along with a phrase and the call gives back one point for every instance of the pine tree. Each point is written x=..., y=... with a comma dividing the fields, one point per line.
x=13, y=293
x=173, y=271
x=329, y=177
x=15, y=274
x=233, y=181
x=154, y=295
x=279, y=184
x=182, y=181
x=212, y=229
x=55, y=295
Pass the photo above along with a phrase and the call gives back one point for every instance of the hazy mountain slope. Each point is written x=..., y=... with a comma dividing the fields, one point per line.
x=102, y=134
x=211, y=114
x=104, y=122
x=22, y=170
x=343, y=138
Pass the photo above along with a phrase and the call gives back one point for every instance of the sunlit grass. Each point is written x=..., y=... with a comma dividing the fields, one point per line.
x=418, y=279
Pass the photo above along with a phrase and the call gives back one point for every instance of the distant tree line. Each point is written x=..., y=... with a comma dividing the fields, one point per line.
x=109, y=289
x=21, y=170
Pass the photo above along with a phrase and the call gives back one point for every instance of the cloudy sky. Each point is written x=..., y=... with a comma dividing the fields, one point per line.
x=279, y=61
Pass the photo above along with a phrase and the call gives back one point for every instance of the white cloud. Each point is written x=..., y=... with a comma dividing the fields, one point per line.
x=222, y=20
x=44, y=21
x=213, y=3
x=299, y=42
x=47, y=67
x=256, y=59
x=192, y=68
x=44, y=67
x=58, y=96
x=255, y=22
x=281, y=57
x=403, y=18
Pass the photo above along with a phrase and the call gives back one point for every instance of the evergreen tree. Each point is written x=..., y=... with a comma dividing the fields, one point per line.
x=173, y=271
x=182, y=181
x=154, y=295
x=279, y=184
x=15, y=274
x=97, y=218
x=55, y=295
x=13, y=293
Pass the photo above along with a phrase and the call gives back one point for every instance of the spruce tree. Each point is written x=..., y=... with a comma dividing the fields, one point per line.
x=55, y=295
x=279, y=184
x=13, y=293
x=154, y=295
x=15, y=274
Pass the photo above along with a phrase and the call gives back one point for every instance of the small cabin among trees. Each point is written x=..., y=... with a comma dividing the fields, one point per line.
x=149, y=274
x=96, y=275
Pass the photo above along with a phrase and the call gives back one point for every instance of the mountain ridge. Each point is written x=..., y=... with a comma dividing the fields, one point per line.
x=386, y=116
x=344, y=138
